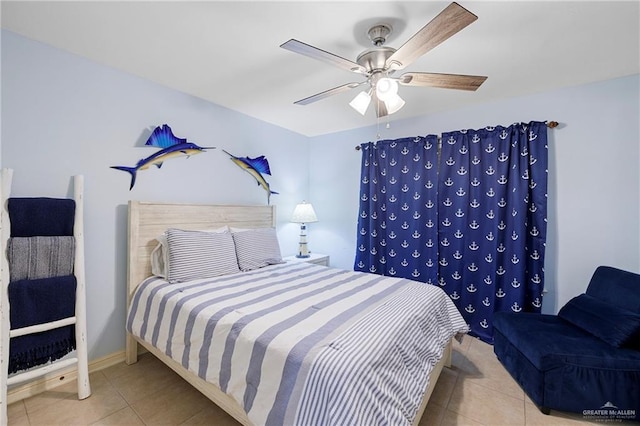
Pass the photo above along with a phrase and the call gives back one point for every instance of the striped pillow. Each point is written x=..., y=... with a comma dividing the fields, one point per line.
x=160, y=254
x=197, y=254
x=256, y=248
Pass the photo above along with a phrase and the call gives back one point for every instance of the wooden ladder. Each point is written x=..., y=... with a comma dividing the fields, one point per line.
x=80, y=361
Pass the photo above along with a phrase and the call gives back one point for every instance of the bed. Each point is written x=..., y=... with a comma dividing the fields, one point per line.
x=286, y=343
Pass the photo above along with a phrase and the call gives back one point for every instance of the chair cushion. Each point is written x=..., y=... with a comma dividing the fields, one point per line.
x=617, y=287
x=548, y=342
x=563, y=367
x=610, y=323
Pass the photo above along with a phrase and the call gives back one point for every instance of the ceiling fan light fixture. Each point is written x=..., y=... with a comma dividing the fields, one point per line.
x=361, y=102
x=386, y=88
x=394, y=104
x=379, y=62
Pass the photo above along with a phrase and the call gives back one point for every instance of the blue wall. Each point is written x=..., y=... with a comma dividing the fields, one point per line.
x=64, y=115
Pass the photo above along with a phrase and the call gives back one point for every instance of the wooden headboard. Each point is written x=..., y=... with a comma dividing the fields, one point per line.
x=147, y=220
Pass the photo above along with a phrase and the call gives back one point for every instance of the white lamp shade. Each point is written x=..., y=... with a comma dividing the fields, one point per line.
x=304, y=213
x=361, y=102
x=394, y=103
x=386, y=88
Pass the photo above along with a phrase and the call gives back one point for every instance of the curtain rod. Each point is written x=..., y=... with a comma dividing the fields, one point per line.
x=550, y=124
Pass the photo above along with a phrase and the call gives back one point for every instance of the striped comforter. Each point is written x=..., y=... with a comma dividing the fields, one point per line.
x=302, y=344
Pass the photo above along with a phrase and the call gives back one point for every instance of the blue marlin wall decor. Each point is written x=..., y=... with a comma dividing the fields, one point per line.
x=255, y=167
x=162, y=137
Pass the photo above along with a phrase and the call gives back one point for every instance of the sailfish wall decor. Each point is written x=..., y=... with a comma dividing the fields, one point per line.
x=255, y=167
x=163, y=137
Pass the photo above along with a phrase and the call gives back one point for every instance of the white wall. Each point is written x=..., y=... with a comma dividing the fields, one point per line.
x=594, y=178
x=63, y=115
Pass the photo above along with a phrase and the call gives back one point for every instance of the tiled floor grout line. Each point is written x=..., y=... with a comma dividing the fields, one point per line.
x=126, y=400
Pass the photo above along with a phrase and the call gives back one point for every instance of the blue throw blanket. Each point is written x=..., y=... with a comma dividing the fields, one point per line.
x=35, y=302
x=47, y=217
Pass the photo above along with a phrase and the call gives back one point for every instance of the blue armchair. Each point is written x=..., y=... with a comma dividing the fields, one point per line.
x=586, y=359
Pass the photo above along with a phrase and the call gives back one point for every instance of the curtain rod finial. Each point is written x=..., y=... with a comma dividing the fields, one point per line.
x=552, y=124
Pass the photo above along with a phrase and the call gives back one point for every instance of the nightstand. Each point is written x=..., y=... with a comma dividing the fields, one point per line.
x=316, y=258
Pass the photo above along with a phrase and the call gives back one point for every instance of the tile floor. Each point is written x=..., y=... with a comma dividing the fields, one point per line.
x=475, y=391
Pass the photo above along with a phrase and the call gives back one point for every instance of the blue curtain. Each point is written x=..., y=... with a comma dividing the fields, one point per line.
x=397, y=223
x=472, y=222
x=492, y=227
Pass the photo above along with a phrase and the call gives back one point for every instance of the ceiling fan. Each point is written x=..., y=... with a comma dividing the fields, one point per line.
x=378, y=63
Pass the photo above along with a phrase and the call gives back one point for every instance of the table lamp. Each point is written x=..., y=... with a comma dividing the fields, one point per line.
x=303, y=214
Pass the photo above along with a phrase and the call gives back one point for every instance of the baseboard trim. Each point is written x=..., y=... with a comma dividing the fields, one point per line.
x=60, y=377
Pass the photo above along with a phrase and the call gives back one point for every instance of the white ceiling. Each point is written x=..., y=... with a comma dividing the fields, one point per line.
x=228, y=52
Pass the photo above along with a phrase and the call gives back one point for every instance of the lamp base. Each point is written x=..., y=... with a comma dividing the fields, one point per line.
x=303, y=249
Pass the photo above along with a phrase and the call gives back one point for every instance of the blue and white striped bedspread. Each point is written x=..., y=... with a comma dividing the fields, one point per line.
x=302, y=344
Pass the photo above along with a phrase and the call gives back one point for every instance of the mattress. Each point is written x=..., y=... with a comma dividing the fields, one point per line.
x=302, y=344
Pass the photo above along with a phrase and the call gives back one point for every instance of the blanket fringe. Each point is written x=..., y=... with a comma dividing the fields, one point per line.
x=40, y=355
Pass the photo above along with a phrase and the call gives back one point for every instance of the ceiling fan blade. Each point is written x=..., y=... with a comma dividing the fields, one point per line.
x=445, y=81
x=322, y=55
x=327, y=93
x=379, y=105
x=451, y=20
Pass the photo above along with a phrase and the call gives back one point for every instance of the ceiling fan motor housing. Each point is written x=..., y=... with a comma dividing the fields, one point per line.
x=375, y=59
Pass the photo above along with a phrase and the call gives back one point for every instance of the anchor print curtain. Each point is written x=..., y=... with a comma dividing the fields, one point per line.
x=397, y=224
x=474, y=225
x=492, y=221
